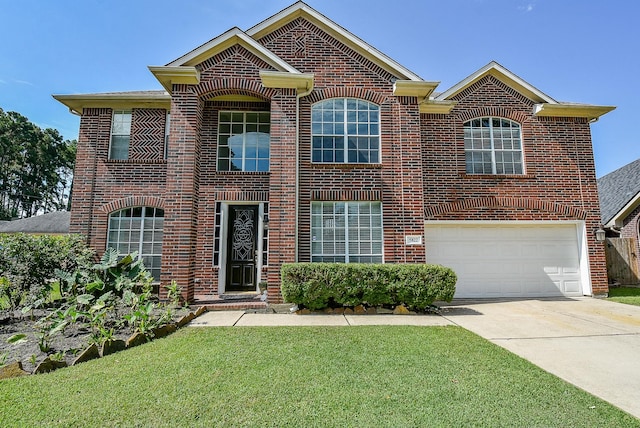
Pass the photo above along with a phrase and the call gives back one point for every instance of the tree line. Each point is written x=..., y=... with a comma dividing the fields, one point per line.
x=36, y=168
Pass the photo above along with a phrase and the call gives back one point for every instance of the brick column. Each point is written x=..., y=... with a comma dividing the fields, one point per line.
x=402, y=174
x=93, y=143
x=181, y=196
x=282, y=188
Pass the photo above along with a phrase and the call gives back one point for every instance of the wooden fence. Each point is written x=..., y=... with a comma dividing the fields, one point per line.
x=622, y=261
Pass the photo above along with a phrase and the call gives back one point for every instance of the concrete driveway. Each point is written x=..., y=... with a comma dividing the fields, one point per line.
x=591, y=343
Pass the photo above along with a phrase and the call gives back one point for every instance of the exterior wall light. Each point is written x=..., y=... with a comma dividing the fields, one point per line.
x=601, y=234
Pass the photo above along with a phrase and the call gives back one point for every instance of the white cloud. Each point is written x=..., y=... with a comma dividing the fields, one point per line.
x=527, y=8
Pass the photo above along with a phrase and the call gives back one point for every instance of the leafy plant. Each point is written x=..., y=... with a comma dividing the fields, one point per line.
x=11, y=295
x=174, y=294
x=28, y=265
x=17, y=338
x=57, y=356
x=318, y=285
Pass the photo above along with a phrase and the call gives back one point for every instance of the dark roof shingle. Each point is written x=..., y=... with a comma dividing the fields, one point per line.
x=617, y=188
x=55, y=222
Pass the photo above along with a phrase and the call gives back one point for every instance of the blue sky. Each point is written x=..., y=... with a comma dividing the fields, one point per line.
x=585, y=51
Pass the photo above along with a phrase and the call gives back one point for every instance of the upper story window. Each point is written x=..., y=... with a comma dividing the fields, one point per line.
x=345, y=130
x=120, y=134
x=493, y=145
x=138, y=229
x=243, y=141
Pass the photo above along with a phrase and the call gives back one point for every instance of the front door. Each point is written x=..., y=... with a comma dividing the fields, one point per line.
x=241, y=250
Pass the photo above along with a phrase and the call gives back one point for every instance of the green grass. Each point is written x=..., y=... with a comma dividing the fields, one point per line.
x=628, y=295
x=306, y=377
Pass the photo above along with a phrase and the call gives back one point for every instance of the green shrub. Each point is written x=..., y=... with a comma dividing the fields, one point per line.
x=318, y=285
x=28, y=264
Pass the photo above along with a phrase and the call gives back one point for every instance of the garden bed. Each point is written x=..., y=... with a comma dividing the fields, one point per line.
x=64, y=346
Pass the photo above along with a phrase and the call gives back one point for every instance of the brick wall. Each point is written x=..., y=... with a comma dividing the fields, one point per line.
x=559, y=181
x=102, y=186
x=422, y=173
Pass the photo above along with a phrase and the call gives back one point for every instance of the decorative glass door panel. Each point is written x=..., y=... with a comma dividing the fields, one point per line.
x=241, y=251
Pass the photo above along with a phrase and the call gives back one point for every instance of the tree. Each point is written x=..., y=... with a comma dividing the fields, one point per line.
x=36, y=167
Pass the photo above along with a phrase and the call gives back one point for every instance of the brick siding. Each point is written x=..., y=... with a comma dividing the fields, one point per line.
x=421, y=176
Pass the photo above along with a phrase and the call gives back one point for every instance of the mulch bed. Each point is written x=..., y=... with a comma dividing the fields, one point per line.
x=74, y=339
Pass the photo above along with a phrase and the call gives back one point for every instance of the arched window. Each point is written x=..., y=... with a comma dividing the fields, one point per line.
x=493, y=145
x=345, y=130
x=138, y=229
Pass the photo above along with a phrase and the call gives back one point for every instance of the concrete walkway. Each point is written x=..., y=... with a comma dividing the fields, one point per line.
x=591, y=343
x=241, y=319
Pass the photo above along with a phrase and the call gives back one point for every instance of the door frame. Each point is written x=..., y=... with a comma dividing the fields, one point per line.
x=224, y=236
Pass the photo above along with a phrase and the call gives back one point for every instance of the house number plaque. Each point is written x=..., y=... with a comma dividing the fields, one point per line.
x=413, y=240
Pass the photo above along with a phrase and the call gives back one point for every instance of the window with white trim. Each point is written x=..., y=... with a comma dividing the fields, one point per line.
x=243, y=141
x=345, y=130
x=493, y=145
x=120, y=134
x=346, y=232
x=138, y=229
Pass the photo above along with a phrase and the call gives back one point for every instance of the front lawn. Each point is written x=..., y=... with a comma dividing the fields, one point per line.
x=305, y=377
x=628, y=295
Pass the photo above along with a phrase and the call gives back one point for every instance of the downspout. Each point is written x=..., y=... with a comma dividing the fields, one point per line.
x=299, y=94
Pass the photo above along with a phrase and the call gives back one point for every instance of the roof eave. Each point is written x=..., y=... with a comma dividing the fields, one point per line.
x=234, y=36
x=437, y=107
x=302, y=82
x=78, y=102
x=411, y=88
x=591, y=112
x=618, y=218
x=174, y=75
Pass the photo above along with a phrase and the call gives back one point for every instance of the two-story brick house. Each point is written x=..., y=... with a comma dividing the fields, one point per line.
x=297, y=141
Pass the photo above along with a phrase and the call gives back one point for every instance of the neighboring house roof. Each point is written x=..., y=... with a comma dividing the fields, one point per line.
x=51, y=223
x=619, y=193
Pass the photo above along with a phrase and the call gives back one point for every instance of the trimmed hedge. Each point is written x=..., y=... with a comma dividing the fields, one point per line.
x=319, y=285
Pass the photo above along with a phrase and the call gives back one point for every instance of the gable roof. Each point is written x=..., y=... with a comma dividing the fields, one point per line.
x=619, y=193
x=501, y=73
x=545, y=105
x=51, y=223
x=301, y=9
x=183, y=70
x=234, y=36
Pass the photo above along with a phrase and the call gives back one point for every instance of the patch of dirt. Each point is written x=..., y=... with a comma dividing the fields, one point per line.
x=75, y=338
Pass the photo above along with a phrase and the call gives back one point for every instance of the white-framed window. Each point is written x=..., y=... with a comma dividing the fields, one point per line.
x=120, y=134
x=493, y=145
x=346, y=232
x=138, y=229
x=243, y=141
x=345, y=130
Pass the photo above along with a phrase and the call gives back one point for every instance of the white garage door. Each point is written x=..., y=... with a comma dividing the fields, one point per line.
x=512, y=260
